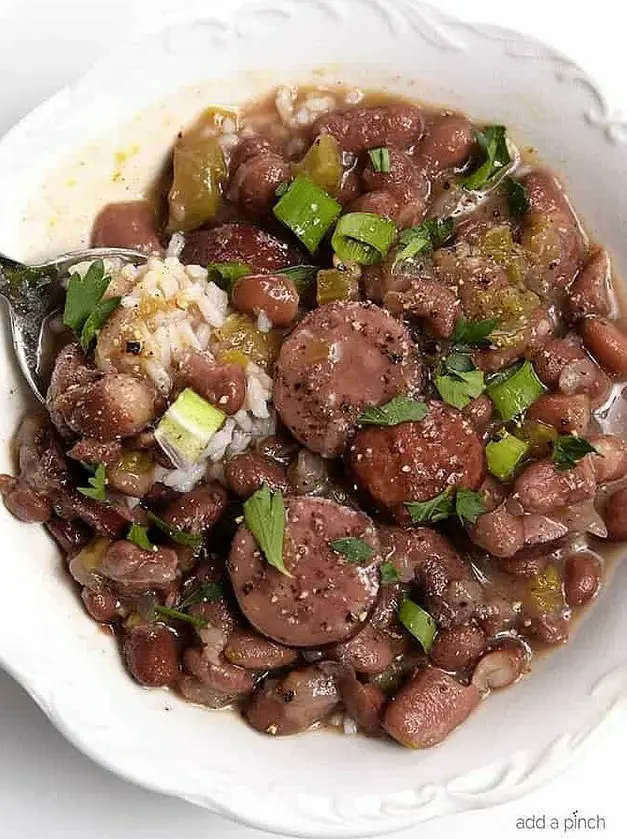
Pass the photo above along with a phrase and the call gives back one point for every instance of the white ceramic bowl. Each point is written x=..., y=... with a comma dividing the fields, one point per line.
x=319, y=784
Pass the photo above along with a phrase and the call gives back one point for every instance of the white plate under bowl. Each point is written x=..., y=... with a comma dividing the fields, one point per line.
x=319, y=784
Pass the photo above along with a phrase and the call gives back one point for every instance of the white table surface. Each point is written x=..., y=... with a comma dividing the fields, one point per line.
x=48, y=790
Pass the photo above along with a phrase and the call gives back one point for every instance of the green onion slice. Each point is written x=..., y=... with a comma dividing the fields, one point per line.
x=504, y=455
x=380, y=159
x=419, y=623
x=187, y=427
x=308, y=211
x=364, y=238
x=513, y=391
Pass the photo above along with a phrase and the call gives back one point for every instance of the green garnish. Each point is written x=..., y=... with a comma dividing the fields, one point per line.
x=85, y=311
x=97, y=489
x=428, y=236
x=435, y=509
x=380, y=159
x=355, y=550
x=364, y=238
x=167, y=612
x=308, y=211
x=97, y=320
x=493, y=142
x=180, y=537
x=469, y=505
x=138, y=535
x=264, y=514
x=472, y=333
x=504, y=455
x=400, y=409
x=514, y=390
x=226, y=274
x=419, y=623
x=302, y=276
x=460, y=382
x=186, y=428
x=569, y=449
x=282, y=188
x=517, y=198
x=389, y=573
x=205, y=593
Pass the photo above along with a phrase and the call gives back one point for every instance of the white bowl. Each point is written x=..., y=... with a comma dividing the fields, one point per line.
x=319, y=784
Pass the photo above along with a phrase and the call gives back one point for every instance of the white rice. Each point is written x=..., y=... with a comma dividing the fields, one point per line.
x=169, y=308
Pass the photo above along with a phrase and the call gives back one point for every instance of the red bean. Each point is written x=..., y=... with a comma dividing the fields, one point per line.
x=590, y=292
x=541, y=487
x=128, y=224
x=499, y=669
x=23, y=502
x=223, y=385
x=607, y=343
x=429, y=301
x=610, y=464
x=246, y=473
x=458, y=648
x=499, y=532
x=479, y=412
x=254, y=184
x=251, y=651
x=615, y=516
x=381, y=203
x=101, y=603
x=582, y=579
x=568, y=414
x=448, y=142
x=151, y=655
x=274, y=295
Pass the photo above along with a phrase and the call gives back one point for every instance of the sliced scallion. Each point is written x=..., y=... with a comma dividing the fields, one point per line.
x=380, y=159
x=419, y=623
x=364, y=238
x=308, y=211
x=504, y=455
x=513, y=391
x=187, y=427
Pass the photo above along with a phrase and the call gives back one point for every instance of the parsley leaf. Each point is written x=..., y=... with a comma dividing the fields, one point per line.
x=569, y=449
x=458, y=387
x=380, y=159
x=205, y=593
x=419, y=623
x=472, y=333
x=302, y=276
x=400, y=409
x=226, y=274
x=84, y=294
x=428, y=236
x=167, y=612
x=97, y=485
x=469, y=505
x=97, y=320
x=264, y=514
x=355, y=550
x=389, y=573
x=435, y=509
x=180, y=537
x=138, y=535
x=493, y=143
x=517, y=198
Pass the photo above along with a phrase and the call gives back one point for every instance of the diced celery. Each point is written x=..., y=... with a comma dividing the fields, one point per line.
x=240, y=334
x=545, y=590
x=333, y=284
x=538, y=436
x=198, y=179
x=323, y=164
x=187, y=427
x=514, y=390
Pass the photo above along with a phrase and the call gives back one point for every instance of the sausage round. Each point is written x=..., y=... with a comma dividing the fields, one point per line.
x=239, y=243
x=340, y=358
x=415, y=461
x=327, y=598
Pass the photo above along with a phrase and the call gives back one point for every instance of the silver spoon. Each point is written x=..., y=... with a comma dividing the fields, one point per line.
x=34, y=294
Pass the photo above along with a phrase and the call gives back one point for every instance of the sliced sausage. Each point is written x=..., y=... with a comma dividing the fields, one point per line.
x=127, y=224
x=253, y=652
x=552, y=236
x=151, y=655
x=246, y=473
x=415, y=461
x=303, y=698
x=428, y=708
x=358, y=129
x=542, y=487
x=582, y=579
x=327, y=598
x=223, y=385
x=607, y=343
x=340, y=358
x=590, y=292
x=568, y=414
x=274, y=295
x=239, y=243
